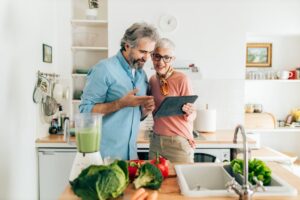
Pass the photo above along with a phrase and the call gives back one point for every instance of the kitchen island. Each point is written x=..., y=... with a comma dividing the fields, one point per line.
x=170, y=188
x=54, y=153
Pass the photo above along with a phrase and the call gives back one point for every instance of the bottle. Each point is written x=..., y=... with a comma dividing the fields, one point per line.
x=59, y=117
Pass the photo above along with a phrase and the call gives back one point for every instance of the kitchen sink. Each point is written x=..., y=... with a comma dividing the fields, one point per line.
x=203, y=180
x=278, y=186
x=209, y=179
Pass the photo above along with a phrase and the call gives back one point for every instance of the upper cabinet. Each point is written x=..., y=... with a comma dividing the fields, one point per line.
x=89, y=42
x=275, y=87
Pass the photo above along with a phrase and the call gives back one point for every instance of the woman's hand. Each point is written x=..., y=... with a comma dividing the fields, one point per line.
x=188, y=108
x=141, y=194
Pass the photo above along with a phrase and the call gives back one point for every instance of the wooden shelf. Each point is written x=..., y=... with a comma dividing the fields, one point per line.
x=76, y=101
x=76, y=48
x=275, y=81
x=78, y=75
x=274, y=130
x=84, y=22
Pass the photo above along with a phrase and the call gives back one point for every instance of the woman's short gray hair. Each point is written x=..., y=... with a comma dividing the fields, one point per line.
x=138, y=31
x=165, y=43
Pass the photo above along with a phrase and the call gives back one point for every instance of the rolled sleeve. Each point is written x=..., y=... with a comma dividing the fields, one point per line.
x=95, y=89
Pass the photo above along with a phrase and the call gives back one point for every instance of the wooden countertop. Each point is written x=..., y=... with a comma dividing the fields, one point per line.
x=170, y=189
x=218, y=139
x=53, y=139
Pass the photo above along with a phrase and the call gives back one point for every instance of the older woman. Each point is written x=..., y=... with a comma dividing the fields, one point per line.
x=172, y=137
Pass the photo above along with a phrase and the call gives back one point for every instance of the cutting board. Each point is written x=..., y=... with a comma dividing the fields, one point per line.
x=172, y=172
x=259, y=121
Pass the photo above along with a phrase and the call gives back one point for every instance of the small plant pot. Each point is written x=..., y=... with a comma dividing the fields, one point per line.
x=91, y=13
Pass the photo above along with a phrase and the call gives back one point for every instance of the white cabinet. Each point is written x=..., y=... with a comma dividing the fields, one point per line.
x=89, y=45
x=54, y=166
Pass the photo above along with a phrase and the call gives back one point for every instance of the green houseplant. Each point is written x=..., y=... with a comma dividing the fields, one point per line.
x=92, y=11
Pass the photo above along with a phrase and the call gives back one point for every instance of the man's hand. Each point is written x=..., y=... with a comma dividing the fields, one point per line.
x=130, y=100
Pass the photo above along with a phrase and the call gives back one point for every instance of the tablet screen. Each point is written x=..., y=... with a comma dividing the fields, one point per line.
x=172, y=105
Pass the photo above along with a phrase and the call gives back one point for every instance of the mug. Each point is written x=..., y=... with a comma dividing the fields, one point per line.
x=293, y=74
x=284, y=74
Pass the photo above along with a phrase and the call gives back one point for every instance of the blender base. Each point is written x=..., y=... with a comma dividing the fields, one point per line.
x=82, y=161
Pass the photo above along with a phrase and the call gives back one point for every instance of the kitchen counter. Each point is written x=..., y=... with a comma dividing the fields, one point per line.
x=55, y=141
x=170, y=188
x=218, y=139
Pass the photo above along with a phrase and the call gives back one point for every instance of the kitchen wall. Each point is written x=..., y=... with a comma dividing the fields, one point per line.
x=213, y=35
x=24, y=26
x=279, y=98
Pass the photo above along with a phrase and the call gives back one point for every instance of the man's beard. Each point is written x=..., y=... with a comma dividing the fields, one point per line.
x=136, y=63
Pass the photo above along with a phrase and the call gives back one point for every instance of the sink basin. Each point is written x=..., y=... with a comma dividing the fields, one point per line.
x=278, y=186
x=203, y=180
x=210, y=180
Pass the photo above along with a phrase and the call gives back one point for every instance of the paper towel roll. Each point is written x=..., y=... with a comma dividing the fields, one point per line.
x=205, y=121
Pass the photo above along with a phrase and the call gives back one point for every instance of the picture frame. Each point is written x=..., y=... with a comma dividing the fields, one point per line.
x=259, y=55
x=47, y=53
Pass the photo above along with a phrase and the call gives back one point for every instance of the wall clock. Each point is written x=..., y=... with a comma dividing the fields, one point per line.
x=168, y=23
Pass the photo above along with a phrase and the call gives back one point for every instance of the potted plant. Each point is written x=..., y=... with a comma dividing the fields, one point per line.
x=92, y=11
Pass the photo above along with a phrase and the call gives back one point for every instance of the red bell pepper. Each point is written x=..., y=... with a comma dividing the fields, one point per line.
x=133, y=167
x=162, y=164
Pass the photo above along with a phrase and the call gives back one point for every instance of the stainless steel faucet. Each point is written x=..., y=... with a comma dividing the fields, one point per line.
x=246, y=191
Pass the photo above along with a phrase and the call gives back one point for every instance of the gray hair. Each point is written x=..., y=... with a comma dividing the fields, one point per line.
x=165, y=43
x=138, y=31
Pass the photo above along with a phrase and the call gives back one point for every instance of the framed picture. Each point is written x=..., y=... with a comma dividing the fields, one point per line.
x=259, y=55
x=47, y=53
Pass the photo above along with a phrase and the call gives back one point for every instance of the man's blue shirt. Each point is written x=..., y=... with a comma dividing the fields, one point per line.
x=108, y=81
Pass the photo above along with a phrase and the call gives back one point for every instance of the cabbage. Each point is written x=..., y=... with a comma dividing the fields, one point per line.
x=101, y=182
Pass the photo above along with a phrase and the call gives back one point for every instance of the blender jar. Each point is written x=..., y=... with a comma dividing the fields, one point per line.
x=88, y=132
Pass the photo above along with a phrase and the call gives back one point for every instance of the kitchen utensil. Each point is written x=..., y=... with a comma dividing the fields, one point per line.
x=58, y=92
x=66, y=93
x=259, y=121
x=49, y=107
x=257, y=108
x=41, y=89
x=88, y=128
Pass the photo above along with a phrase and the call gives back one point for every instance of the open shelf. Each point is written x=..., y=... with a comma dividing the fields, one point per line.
x=283, y=129
x=74, y=48
x=79, y=75
x=76, y=101
x=275, y=80
x=84, y=22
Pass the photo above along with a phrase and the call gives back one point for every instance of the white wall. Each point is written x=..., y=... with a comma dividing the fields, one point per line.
x=279, y=98
x=24, y=26
x=213, y=34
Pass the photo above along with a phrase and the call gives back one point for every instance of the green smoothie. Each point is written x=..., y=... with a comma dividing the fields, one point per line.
x=88, y=140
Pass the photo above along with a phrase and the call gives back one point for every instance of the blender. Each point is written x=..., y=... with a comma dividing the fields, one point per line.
x=88, y=135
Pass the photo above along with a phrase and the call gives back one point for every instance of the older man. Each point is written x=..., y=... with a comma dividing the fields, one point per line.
x=116, y=87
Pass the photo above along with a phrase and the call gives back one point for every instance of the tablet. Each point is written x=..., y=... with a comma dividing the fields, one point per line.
x=172, y=105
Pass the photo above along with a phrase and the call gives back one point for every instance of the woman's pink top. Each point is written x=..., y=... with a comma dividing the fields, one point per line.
x=181, y=125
